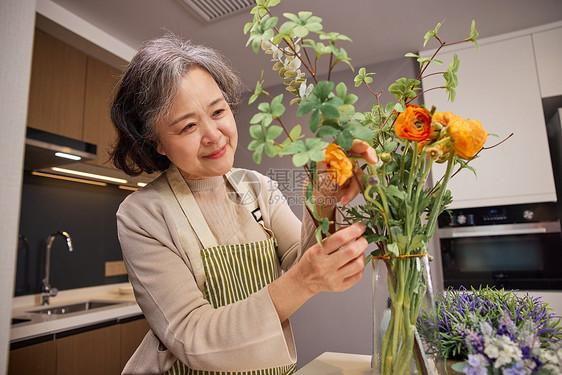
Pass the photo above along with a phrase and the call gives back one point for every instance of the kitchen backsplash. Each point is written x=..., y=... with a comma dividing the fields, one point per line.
x=87, y=213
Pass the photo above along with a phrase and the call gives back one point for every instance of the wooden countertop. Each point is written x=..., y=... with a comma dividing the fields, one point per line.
x=330, y=363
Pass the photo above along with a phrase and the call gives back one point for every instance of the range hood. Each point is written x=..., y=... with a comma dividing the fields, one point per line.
x=41, y=149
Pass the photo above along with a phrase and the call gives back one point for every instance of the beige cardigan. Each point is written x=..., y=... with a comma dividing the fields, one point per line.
x=161, y=253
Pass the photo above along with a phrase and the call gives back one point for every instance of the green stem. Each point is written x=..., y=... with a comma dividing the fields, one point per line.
x=419, y=189
x=402, y=161
x=437, y=204
x=413, y=170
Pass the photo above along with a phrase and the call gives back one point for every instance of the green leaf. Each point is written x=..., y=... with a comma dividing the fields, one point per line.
x=273, y=132
x=459, y=366
x=341, y=90
x=247, y=27
x=258, y=90
x=254, y=144
x=262, y=30
x=399, y=107
x=334, y=37
x=302, y=24
x=295, y=132
x=318, y=235
x=294, y=148
x=350, y=99
x=257, y=155
x=404, y=88
x=300, y=159
x=330, y=111
x=327, y=131
x=323, y=90
x=451, y=80
x=325, y=225
x=389, y=145
x=363, y=77
x=375, y=237
x=314, y=121
x=473, y=35
x=393, y=248
x=308, y=104
x=277, y=109
x=361, y=132
x=316, y=155
x=256, y=131
x=431, y=33
x=345, y=139
x=270, y=150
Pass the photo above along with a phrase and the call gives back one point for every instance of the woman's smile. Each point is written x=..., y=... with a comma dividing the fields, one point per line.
x=216, y=154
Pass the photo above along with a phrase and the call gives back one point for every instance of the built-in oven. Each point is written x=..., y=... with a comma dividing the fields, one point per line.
x=513, y=247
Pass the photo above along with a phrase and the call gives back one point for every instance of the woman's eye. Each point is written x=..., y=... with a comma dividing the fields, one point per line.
x=187, y=128
x=218, y=112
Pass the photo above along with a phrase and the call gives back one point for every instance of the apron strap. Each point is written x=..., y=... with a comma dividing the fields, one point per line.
x=190, y=207
x=247, y=185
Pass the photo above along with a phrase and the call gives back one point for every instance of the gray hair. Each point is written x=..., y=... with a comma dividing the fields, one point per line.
x=146, y=93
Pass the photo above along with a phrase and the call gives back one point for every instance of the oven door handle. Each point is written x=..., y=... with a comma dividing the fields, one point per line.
x=500, y=230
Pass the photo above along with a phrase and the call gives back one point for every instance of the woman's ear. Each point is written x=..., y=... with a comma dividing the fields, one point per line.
x=160, y=149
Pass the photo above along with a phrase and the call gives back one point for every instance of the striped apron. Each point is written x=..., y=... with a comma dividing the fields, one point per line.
x=233, y=273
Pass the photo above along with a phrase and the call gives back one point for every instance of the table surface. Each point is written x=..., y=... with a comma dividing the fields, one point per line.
x=331, y=363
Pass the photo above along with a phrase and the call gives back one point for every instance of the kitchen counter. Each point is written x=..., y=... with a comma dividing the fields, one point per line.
x=330, y=363
x=40, y=325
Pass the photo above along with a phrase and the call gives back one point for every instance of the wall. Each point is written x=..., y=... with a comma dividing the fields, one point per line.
x=16, y=40
x=87, y=213
x=337, y=322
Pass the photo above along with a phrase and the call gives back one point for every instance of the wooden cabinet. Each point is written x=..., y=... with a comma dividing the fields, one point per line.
x=90, y=353
x=132, y=334
x=98, y=129
x=548, y=55
x=70, y=94
x=56, y=95
x=498, y=86
x=101, y=351
x=34, y=359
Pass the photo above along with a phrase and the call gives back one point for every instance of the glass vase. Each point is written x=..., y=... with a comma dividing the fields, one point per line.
x=406, y=336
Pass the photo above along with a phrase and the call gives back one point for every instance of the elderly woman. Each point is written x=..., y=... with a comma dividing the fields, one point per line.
x=205, y=266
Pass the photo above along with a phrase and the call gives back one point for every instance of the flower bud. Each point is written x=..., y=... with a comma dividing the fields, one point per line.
x=373, y=181
x=386, y=157
x=434, y=153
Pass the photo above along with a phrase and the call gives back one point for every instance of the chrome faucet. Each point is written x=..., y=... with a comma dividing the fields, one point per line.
x=46, y=289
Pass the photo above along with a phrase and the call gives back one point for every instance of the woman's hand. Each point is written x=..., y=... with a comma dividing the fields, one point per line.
x=334, y=266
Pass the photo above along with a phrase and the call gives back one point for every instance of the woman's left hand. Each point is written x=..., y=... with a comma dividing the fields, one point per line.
x=329, y=193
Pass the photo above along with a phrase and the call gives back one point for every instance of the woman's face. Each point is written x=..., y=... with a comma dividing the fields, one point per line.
x=199, y=134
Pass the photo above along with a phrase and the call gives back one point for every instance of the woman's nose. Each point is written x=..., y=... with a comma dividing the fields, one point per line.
x=212, y=132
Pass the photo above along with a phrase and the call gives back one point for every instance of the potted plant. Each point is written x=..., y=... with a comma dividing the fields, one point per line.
x=495, y=331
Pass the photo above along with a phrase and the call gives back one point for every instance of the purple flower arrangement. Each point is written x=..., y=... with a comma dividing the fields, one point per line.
x=495, y=332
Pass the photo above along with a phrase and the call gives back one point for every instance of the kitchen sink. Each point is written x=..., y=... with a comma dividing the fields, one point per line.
x=20, y=320
x=75, y=307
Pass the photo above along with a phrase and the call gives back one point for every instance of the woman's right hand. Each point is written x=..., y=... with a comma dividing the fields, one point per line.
x=334, y=266
x=337, y=264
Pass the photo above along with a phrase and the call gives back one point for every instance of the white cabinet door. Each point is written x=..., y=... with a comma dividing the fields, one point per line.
x=548, y=53
x=498, y=86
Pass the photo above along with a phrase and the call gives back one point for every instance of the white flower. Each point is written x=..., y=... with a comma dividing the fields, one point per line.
x=486, y=329
x=490, y=349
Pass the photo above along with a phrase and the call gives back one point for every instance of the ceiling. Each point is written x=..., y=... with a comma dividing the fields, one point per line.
x=380, y=30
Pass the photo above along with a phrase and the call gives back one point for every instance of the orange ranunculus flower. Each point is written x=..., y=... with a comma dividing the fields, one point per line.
x=468, y=136
x=414, y=124
x=339, y=166
x=443, y=118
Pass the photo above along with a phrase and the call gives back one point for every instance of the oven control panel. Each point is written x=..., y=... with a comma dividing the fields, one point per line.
x=514, y=214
